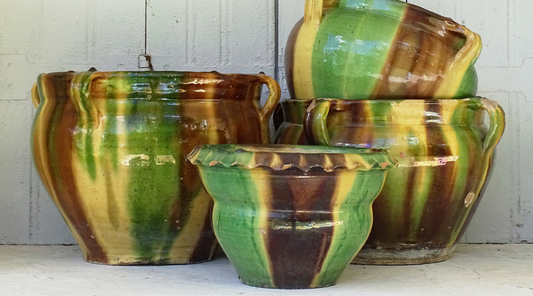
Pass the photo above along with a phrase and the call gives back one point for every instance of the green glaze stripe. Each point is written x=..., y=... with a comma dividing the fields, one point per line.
x=152, y=188
x=355, y=213
x=237, y=222
x=350, y=52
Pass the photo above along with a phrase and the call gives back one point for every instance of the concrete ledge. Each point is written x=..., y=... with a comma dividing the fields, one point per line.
x=60, y=270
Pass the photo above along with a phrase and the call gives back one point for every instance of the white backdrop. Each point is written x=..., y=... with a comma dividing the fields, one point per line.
x=244, y=36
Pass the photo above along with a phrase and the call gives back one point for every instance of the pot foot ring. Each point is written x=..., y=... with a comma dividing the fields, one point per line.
x=411, y=256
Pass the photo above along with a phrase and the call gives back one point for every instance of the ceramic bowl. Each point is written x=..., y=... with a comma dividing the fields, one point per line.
x=291, y=217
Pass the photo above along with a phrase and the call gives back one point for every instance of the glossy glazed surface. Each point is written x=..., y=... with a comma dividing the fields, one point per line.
x=289, y=119
x=445, y=153
x=110, y=148
x=379, y=49
x=291, y=217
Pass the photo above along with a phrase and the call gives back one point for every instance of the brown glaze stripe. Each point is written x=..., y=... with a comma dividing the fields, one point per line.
x=291, y=250
x=207, y=243
x=405, y=60
x=60, y=151
x=408, y=208
x=191, y=184
x=289, y=57
x=434, y=223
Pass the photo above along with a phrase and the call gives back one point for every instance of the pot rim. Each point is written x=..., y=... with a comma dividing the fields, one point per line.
x=138, y=73
x=285, y=157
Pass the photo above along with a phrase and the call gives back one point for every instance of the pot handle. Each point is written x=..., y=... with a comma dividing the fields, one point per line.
x=463, y=60
x=315, y=123
x=35, y=98
x=497, y=124
x=272, y=101
x=313, y=11
x=80, y=94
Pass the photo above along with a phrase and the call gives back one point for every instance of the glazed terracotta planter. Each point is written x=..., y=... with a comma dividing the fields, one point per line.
x=445, y=153
x=375, y=49
x=291, y=217
x=110, y=148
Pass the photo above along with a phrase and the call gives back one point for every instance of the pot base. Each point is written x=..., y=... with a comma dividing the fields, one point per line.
x=128, y=259
x=133, y=262
x=405, y=255
x=266, y=283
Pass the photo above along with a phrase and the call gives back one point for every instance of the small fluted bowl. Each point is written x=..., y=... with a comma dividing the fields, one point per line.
x=291, y=217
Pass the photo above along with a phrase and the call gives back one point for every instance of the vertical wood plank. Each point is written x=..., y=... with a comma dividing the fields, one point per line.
x=447, y=8
x=167, y=34
x=520, y=40
x=522, y=215
x=19, y=48
x=14, y=168
x=116, y=34
x=64, y=32
x=206, y=35
x=492, y=25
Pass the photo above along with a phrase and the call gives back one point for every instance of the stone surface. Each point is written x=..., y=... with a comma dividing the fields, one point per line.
x=59, y=270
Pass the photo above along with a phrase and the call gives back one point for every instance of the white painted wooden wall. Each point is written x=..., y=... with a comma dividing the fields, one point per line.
x=39, y=36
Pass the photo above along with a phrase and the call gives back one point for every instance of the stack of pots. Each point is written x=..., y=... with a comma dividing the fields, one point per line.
x=391, y=75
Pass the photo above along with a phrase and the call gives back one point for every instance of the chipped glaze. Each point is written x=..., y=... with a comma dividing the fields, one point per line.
x=110, y=149
x=379, y=49
x=291, y=217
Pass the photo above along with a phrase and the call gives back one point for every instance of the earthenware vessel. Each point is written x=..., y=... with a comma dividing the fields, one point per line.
x=110, y=148
x=444, y=152
x=289, y=118
x=291, y=217
x=373, y=49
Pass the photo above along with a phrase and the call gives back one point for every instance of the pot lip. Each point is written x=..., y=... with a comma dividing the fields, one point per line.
x=285, y=157
x=384, y=100
x=139, y=73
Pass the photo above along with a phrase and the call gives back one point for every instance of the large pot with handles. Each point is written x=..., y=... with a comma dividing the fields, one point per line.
x=374, y=49
x=110, y=148
x=445, y=153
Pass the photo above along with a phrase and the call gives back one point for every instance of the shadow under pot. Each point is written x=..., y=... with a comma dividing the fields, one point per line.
x=291, y=217
x=445, y=154
x=110, y=149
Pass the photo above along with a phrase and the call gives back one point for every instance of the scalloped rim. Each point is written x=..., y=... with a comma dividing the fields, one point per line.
x=284, y=157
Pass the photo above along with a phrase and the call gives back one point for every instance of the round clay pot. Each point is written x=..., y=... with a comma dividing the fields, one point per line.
x=291, y=217
x=379, y=49
x=110, y=148
x=444, y=152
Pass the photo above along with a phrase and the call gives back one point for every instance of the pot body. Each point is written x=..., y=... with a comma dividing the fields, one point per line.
x=110, y=148
x=289, y=119
x=374, y=49
x=445, y=152
x=288, y=228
